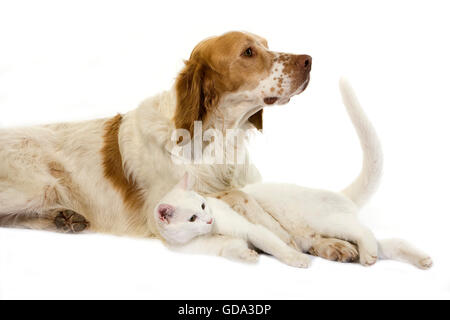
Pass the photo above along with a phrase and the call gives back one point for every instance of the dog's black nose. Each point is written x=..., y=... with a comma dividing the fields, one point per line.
x=303, y=62
x=306, y=61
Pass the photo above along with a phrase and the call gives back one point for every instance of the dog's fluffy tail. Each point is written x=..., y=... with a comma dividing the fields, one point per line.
x=367, y=182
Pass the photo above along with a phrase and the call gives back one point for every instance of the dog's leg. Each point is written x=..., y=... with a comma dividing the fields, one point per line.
x=396, y=249
x=61, y=220
x=347, y=227
x=69, y=221
x=23, y=209
x=327, y=248
x=334, y=250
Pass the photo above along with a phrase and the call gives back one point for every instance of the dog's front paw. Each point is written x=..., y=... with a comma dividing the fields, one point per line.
x=296, y=259
x=334, y=250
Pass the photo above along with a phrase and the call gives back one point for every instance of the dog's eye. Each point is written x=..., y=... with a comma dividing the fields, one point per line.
x=193, y=218
x=203, y=206
x=248, y=52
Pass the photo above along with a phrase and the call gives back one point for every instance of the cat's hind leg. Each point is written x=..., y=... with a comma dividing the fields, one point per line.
x=299, y=237
x=400, y=250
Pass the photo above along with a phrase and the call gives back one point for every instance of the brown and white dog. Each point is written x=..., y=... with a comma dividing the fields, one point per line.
x=108, y=174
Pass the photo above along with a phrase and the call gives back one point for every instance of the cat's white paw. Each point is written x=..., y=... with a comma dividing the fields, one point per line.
x=367, y=259
x=239, y=251
x=368, y=251
x=296, y=259
x=425, y=264
x=249, y=256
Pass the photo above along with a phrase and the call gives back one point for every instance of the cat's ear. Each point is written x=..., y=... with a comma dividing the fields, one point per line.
x=165, y=212
x=187, y=183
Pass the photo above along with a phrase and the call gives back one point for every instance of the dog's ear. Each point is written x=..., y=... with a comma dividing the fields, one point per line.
x=196, y=95
x=257, y=120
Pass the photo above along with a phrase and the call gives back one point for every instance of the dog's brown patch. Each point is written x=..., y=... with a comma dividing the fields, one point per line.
x=113, y=166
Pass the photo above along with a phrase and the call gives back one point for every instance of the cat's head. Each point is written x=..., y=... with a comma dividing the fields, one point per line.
x=183, y=214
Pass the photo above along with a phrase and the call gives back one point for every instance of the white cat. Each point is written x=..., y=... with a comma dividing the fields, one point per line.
x=183, y=215
x=310, y=217
x=335, y=214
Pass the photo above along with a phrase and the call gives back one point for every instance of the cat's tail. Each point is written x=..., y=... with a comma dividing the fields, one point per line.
x=367, y=182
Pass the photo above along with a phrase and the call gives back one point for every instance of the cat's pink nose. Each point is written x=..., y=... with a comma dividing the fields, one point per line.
x=210, y=221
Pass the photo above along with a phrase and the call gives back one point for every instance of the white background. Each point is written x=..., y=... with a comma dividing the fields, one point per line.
x=62, y=61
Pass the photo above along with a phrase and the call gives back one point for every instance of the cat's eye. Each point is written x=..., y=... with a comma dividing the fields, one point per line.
x=193, y=218
x=203, y=206
x=248, y=52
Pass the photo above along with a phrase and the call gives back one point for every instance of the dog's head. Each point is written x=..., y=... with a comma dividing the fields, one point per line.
x=232, y=77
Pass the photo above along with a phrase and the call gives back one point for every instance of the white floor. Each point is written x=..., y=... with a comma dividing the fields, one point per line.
x=45, y=265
